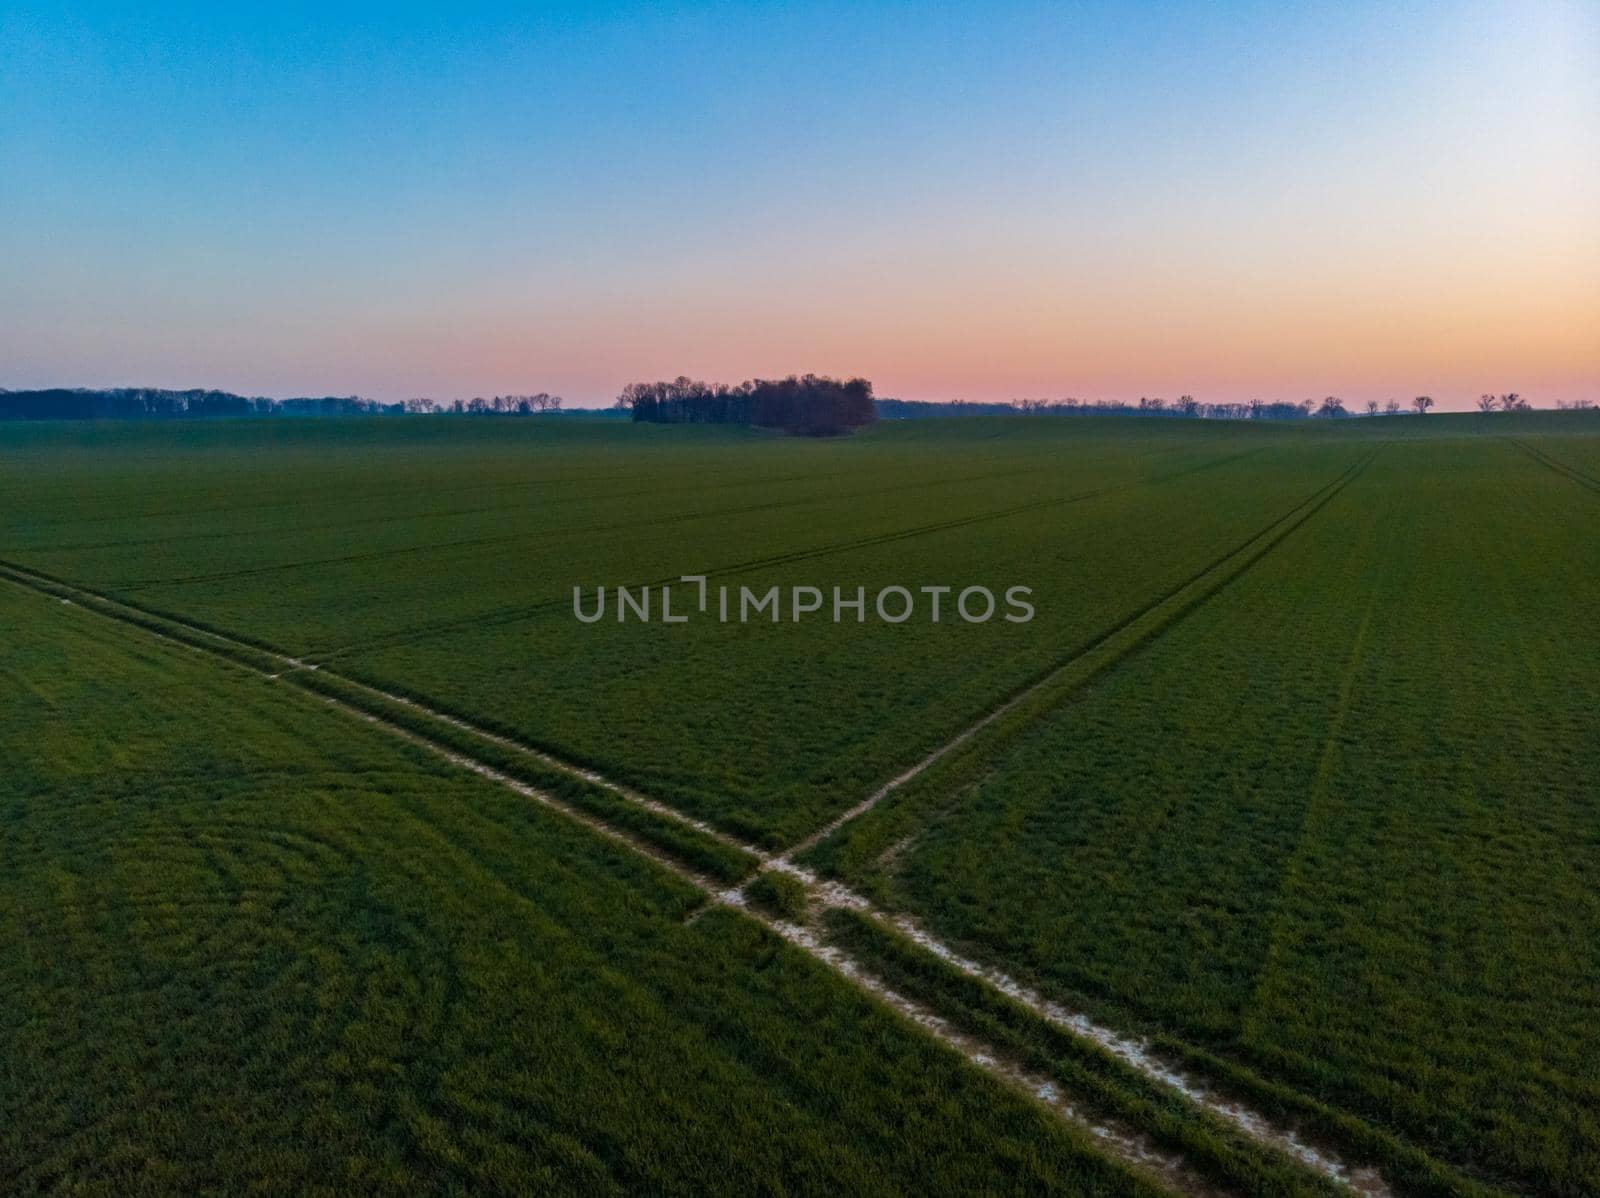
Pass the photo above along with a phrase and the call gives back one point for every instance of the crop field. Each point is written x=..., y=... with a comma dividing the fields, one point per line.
x=445, y=567
x=252, y=944
x=1265, y=858
x=1343, y=823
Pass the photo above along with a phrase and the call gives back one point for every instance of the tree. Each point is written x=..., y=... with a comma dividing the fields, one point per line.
x=1392, y=408
x=1513, y=403
x=1372, y=407
x=809, y=404
x=1332, y=407
x=1422, y=403
x=1487, y=403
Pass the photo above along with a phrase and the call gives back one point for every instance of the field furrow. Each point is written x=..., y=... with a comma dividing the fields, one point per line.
x=1150, y=1148
x=1285, y=833
x=1259, y=860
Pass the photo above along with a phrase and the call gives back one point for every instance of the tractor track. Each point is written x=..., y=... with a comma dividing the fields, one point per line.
x=1241, y=557
x=517, y=612
x=1570, y=473
x=1126, y=1143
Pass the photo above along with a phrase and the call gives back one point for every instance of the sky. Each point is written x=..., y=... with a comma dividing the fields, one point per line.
x=980, y=201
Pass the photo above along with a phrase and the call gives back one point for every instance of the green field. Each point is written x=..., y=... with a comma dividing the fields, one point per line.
x=1293, y=779
x=252, y=944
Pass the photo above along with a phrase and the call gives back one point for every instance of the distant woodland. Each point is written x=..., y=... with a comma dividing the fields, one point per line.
x=805, y=404
x=1185, y=407
x=811, y=404
x=148, y=403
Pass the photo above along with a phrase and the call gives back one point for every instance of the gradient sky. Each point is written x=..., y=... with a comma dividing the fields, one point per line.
x=982, y=201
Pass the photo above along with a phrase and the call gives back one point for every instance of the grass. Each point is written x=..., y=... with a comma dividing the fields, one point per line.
x=779, y=894
x=1100, y=1083
x=248, y=943
x=680, y=841
x=443, y=566
x=687, y=845
x=1303, y=793
x=1335, y=827
x=1114, y=1090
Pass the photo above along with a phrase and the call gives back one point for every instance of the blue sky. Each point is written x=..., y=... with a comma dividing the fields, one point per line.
x=988, y=200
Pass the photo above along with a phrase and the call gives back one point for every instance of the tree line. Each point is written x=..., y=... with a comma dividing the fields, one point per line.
x=148, y=403
x=1186, y=407
x=499, y=405
x=811, y=404
x=802, y=404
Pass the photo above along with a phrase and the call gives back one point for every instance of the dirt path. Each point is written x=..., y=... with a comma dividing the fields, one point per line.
x=1125, y=1143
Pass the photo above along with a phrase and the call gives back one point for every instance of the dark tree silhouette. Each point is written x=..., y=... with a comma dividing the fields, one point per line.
x=146, y=403
x=809, y=404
